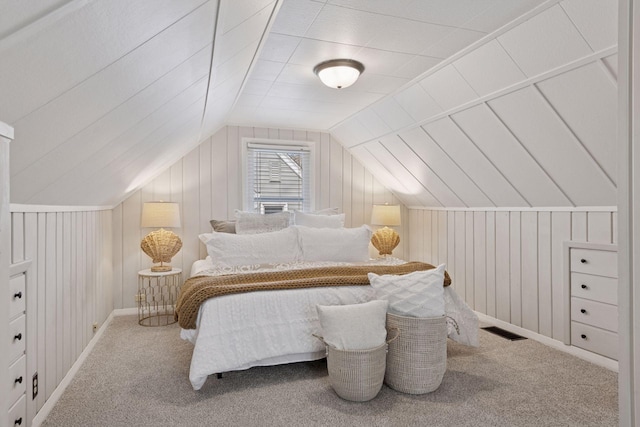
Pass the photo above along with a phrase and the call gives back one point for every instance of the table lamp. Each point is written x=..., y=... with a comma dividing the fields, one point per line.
x=161, y=245
x=385, y=239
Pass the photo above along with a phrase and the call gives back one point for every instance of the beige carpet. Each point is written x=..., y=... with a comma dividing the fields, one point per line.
x=138, y=376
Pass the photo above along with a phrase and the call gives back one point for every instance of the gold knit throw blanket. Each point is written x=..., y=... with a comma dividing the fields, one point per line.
x=198, y=289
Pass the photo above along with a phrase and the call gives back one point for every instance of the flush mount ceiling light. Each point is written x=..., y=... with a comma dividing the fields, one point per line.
x=339, y=73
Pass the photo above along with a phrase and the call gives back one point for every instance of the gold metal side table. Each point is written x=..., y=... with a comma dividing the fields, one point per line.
x=157, y=295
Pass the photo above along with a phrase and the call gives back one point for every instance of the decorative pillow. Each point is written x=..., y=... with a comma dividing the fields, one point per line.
x=417, y=294
x=318, y=220
x=221, y=226
x=354, y=326
x=334, y=244
x=327, y=211
x=231, y=250
x=254, y=223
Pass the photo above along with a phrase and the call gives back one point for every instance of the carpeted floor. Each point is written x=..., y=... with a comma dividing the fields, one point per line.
x=138, y=376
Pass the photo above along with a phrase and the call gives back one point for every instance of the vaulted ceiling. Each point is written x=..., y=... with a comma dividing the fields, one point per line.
x=463, y=103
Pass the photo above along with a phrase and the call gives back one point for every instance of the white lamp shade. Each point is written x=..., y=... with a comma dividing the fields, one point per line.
x=160, y=214
x=339, y=77
x=339, y=73
x=385, y=215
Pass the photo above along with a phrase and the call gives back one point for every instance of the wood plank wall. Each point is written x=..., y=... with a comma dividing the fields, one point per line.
x=508, y=264
x=207, y=183
x=68, y=289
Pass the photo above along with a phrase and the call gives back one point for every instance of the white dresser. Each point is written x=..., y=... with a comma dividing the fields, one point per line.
x=591, y=297
x=17, y=345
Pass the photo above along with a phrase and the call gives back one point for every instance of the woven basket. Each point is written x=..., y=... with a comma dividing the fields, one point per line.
x=357, y=375
x=417, y=360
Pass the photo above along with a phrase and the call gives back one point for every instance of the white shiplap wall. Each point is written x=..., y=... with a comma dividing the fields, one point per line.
x=68, y=287
x=508, y=264
x=207, y=183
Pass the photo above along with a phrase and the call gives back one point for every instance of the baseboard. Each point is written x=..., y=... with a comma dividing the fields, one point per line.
x=57, y=393
x=125, y=311
x=596, y=359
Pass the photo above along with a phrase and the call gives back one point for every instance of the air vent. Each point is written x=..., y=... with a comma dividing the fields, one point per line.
x=504, y=334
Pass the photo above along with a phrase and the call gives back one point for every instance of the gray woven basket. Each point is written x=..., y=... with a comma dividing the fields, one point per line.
x=357, y=375
x=417, y=360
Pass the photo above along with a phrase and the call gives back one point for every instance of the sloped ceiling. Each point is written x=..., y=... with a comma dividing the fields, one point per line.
x=105, y=94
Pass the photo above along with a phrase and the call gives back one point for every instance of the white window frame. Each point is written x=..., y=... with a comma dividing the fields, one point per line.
x=276, y=143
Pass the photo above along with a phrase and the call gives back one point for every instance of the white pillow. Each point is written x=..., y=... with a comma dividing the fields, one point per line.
x=354, y=326
x=417, y=294
x=231, y=250
x=334, y=244
x=318, y=220
x=254, y=223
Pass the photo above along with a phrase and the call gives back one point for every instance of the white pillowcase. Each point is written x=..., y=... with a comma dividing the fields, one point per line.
x=417, y=294
x=254, y=223
x=334, y=244
x=318, y=220
x=354, y=326
x=231, y=250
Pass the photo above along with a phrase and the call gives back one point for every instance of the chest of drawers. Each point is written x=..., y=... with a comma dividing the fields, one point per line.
x=17, y=345
x=591, y=297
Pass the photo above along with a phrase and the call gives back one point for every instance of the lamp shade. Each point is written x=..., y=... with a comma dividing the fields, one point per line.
x=385, y=215
x=339, y=73
x=160, y=214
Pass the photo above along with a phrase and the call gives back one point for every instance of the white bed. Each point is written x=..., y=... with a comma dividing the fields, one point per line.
x=239, y=331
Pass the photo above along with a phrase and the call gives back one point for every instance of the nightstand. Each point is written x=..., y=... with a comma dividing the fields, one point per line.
x=157, y=295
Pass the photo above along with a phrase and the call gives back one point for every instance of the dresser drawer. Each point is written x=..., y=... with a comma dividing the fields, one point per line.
x=592, y=261
x=595, y=339
x=16, y=338
x=17, y=295
x=594, y=313
x=596, y=288
x=18, y=413
x=17, y=379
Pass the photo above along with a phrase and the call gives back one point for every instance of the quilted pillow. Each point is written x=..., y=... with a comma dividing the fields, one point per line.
x=417, y=294
x=354, y=326
x=231, y=250
x=318, y=220
x=254, y=223
x=334, y=244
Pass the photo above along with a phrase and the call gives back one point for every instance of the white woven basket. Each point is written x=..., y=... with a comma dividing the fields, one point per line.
x=417, y=360
x=357, y=375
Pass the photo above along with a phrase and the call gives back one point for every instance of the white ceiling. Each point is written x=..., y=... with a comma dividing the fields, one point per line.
x=106, y=94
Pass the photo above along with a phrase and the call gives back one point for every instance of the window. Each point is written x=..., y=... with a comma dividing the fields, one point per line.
x=278, y=176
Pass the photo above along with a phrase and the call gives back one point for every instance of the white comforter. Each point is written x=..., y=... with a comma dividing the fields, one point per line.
x=236, y=332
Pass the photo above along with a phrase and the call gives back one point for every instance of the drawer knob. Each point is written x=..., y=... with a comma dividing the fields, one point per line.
x=17, y=337
x=584, y=261
x=583, y=286
x=583, y=311
x=17, y=295
x=583, y=336
x=18, y=422
x=18, y=380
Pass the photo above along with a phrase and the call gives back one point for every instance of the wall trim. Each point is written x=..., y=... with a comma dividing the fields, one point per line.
x=57, y=393
x=16, y=207
x=602, y=361
x=521, y=209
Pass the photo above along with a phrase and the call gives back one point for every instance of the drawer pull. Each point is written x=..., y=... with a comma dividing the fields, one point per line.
x=583, y=311
x=17, y=295
x=583, y=286
x=18, y=422
x=584, y=261
x=583, y=336
x=17, y=337
x=18, y=380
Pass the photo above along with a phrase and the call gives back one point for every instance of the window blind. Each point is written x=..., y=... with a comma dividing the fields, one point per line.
x=278, y=178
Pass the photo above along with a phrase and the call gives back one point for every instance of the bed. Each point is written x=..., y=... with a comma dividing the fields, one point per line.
x=269, y=327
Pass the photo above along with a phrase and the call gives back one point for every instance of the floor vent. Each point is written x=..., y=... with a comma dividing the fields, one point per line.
x=504, y=334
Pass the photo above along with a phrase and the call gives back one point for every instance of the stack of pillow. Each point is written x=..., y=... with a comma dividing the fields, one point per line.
x=285, y=237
